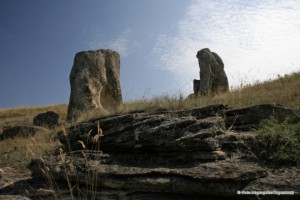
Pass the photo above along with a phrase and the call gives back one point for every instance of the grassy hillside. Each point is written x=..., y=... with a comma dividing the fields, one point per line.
x=18, y=152
x=284, y=90
x=25, y=115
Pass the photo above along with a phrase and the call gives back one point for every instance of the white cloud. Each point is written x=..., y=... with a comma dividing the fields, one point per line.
x=257, y=40
x=123, y=43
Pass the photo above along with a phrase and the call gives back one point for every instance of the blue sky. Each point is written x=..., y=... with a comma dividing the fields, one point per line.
x=157, y=40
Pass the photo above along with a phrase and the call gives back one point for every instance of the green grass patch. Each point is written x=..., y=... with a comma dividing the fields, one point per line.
x=278, y=142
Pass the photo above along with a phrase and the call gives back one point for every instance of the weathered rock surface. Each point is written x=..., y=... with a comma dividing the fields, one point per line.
x=212, y=75
x=9, y=176
x=23, y=131
x=180, y=133
x=95, y=82
x=186, y=154
x=202, y=153
x=249, y=118
x=212, y=178
x=48, y=119
x=13, y=197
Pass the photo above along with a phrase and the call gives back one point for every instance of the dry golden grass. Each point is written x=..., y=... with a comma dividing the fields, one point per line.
x=17, y=152
x=284, y=90
x=25, y=115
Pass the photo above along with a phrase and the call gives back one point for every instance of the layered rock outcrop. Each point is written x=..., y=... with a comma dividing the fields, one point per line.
x=187, y=154
x=212, y=75
x=95, y=82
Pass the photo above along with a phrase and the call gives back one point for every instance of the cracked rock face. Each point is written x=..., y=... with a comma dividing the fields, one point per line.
x=95, y=82
x=218, y=178
x=180, y=134
x=186, y=154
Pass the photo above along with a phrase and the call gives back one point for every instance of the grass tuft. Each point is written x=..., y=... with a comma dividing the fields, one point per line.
x=17, y=152
x=278, y=142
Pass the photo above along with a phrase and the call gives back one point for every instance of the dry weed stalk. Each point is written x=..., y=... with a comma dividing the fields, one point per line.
x=64, y=162
x=99, y=134
x=81, y=143
x=66, y=138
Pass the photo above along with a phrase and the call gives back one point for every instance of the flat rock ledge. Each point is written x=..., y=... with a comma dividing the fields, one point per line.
x=202, y=179
x=199, y=153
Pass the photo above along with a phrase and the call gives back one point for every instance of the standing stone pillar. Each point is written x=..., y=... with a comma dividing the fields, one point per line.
x=212, y=75
x=95, y=82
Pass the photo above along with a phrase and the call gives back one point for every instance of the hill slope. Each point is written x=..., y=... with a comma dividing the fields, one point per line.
x=283, y=90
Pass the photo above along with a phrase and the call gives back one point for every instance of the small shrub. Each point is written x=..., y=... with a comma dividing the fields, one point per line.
x=278, y=142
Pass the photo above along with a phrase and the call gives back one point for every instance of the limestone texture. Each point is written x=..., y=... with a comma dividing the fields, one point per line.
x=212, y=74
x=95, y=82
x=201, y=153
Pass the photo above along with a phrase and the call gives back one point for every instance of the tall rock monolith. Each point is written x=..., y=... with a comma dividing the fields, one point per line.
x=212, y=75
x=95, y=82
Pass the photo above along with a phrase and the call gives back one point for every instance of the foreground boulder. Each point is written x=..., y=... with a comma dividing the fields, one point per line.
x=95, y=82
x=21, y=131
x=187, y=154
x=48, y=119
x=212, y=75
